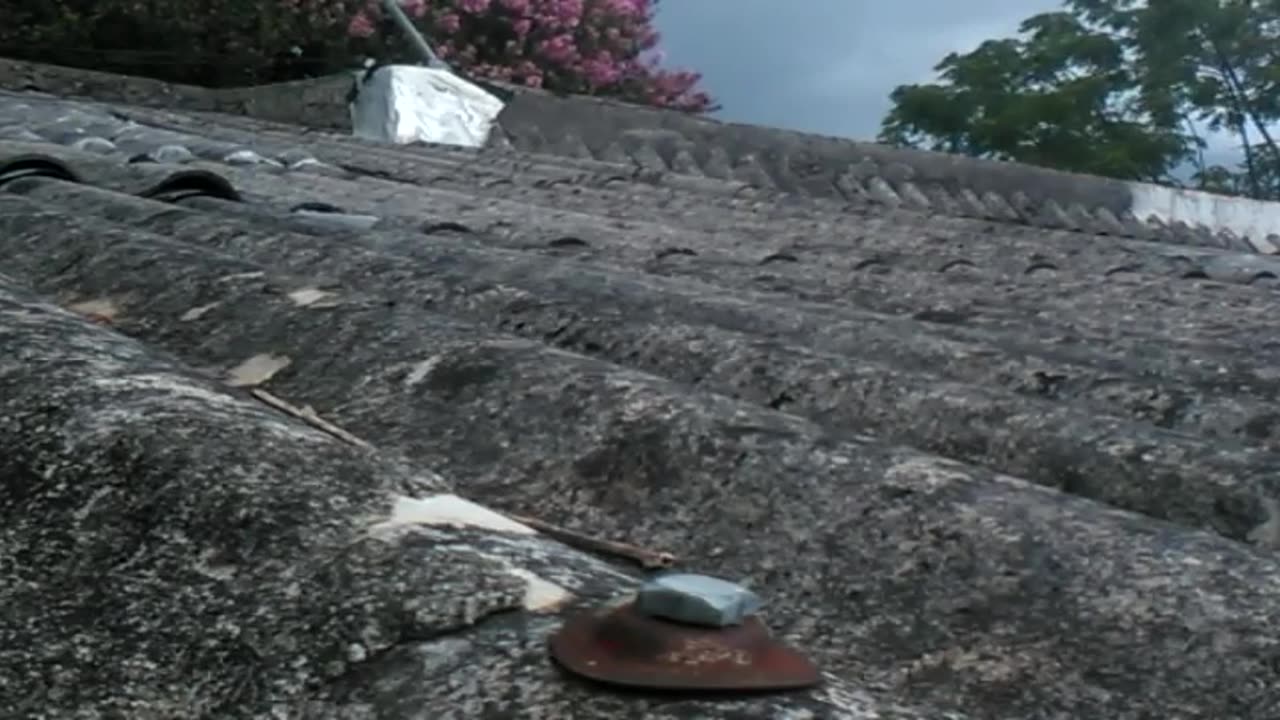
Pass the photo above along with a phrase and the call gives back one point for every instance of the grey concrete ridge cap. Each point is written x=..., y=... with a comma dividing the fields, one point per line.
x=1063, y=199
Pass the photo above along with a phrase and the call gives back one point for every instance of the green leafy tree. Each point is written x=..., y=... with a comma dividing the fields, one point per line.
x=1122, y=88
x=1216, y=60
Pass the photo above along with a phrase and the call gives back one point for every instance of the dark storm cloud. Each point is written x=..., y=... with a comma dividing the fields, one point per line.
x=825, y=66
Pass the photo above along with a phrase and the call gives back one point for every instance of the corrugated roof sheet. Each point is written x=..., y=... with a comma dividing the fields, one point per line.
x=973, y=465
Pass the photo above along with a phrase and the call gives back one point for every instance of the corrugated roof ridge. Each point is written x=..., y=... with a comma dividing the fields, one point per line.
x=783, y=159
x=863, y=187
x=758, y=159
x=446, y=165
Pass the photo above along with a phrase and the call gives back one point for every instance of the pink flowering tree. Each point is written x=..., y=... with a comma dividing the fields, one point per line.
x=595, y=47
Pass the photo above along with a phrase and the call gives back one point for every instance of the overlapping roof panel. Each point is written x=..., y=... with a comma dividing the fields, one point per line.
x=973, y=465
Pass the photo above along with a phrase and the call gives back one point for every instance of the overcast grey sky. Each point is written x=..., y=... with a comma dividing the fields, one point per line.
x=826, y=66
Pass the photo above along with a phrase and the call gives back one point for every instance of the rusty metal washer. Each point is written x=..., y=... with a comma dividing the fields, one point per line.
x=621, y=646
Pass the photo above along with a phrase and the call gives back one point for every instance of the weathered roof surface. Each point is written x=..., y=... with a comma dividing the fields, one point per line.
x=761, y=161
x=773, y=160
x=973, y=466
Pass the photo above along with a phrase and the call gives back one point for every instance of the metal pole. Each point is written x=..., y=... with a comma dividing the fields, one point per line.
x=420, y=44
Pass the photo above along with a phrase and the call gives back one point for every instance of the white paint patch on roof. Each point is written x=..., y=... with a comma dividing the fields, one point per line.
x=540, y=595
x=449, y=510
x=307, y=297
x=197, y=312
x=421, y=370
x=1253, y=219
x=251, y=275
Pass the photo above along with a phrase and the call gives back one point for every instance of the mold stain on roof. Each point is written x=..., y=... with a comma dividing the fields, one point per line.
x=989, y=443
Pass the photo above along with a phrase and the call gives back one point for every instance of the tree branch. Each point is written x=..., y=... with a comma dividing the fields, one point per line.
x=1240, y=96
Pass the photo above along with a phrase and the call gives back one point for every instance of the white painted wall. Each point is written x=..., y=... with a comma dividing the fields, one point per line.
x=1254, y=219
x=404, y=103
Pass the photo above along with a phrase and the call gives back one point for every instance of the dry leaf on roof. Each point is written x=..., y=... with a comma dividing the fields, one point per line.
x=313, y=297
x=257, y=370
x=102, y=310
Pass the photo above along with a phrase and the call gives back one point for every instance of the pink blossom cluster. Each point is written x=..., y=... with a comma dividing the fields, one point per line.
x=604, y=47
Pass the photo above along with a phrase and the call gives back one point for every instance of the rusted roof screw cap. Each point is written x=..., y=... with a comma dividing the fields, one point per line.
x=696, y=600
